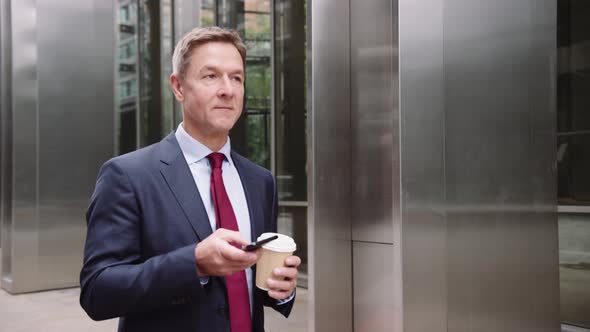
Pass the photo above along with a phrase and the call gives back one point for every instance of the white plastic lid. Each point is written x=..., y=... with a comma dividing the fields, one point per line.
x=283, y=243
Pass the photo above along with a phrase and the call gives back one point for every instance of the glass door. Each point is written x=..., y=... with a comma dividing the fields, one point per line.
x=272, y=129
x=573, y=156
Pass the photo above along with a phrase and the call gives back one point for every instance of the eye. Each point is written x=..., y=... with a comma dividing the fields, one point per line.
x=210, y=76
x=237, y=79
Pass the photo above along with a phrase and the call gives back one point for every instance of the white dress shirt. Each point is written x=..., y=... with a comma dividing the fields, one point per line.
x=195, y=153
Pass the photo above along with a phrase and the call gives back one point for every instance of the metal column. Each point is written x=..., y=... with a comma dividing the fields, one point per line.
x=61, y=124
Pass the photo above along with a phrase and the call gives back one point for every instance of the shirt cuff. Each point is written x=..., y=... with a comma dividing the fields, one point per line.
x=204, y=280
x=287, y=300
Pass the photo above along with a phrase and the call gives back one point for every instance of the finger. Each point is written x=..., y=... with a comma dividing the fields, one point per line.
x=292, y=261
x=236, y=255
x=285, y=272
x=280, y=285
x=279, y=295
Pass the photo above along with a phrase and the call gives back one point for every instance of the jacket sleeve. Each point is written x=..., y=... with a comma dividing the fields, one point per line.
x=285, y=308
x=115, y=279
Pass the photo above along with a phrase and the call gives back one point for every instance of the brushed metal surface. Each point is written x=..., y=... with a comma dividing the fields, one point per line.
x=374, y=121
x=421, y=259
x=5, y=123
x=24, y=221
x=62, y=93
x=68, y=163
x=499, y=61
x=2, y=138
x=373, y=295
x=329, y=160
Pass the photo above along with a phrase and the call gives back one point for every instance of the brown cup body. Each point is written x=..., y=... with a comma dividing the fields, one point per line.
x=268, y=261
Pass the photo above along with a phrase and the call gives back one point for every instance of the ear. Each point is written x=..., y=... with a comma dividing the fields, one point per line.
x=176, y=86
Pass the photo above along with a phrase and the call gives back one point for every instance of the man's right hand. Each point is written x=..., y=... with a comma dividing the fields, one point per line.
x=216, y=256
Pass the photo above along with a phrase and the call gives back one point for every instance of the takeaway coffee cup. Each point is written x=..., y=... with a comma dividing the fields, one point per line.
x=273, y=256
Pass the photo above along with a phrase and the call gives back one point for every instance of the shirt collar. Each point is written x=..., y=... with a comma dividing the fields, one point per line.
x=194, y=151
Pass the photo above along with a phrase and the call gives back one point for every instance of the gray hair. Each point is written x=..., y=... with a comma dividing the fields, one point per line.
x=199, y=36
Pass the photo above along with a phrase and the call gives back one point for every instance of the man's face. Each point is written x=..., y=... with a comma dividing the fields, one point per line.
x=212, y=90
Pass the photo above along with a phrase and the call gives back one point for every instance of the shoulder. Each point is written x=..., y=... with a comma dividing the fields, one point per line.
x=133, y=160
x=142, y=161
x=252, y=168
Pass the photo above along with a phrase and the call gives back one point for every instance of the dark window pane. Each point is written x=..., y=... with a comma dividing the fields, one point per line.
x=573, y=157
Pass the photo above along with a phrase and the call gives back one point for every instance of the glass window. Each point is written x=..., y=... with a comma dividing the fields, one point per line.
x=144, y=105
x=573, y=158
x=285, y=123
x=290, y=117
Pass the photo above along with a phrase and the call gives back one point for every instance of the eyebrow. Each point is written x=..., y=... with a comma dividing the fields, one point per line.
x=213, y=68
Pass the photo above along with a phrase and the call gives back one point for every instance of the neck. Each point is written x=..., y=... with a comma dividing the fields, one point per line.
x=213, y=141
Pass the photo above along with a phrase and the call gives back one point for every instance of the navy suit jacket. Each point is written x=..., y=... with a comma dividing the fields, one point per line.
x=144, y=221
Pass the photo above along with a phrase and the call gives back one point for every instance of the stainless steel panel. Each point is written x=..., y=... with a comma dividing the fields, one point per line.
x=420, y=262
x=499, y=60
x=373, y=294
x=374, y=120
x=24, y=223
x=68, y=164
x=2, y=56
x=329, y=160
x=5, y=124
x=62, y=97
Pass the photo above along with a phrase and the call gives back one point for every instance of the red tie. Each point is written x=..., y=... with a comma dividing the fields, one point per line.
x=237, y=287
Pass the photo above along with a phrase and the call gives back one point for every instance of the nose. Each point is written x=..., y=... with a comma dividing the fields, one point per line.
x=226, y=89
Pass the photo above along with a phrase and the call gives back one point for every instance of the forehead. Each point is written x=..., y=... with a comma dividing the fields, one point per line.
x=218, y=55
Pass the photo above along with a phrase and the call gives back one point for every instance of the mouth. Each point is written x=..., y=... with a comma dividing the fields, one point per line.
x=226, y=108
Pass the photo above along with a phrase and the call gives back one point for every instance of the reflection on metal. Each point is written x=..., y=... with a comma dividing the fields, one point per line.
x=375, y=162
x=62, y=133
x=499, y=134
x=329, y=160
x=373, y=294
x=293, y=203
x=374, y=122
x=470, y=140
x=420, y=258
x=573, y=209
x=569, y=328
x=5, y=124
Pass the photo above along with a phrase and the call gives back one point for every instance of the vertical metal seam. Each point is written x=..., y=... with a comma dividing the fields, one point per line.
x=443, y=204
x=273, y=117
x=2, y=122
x=37, y=134
x=398, y=254
x=173, y=44
x=138, y=86
x=311, y=167
x=350, y=152
x=115, y=12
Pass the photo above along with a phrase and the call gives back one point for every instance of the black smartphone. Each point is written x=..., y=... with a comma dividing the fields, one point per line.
x=255, y=245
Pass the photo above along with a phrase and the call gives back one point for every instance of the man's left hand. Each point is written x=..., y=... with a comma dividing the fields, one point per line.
x=284, y=279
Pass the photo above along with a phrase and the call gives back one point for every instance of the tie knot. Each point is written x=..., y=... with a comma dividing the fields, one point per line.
x=216, y=159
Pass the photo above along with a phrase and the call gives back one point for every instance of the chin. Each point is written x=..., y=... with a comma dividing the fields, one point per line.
x=225, y=125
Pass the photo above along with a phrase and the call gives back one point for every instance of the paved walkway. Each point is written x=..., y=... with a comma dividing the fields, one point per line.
x=59, y=311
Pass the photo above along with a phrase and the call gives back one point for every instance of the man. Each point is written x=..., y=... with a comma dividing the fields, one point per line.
x=164, y=228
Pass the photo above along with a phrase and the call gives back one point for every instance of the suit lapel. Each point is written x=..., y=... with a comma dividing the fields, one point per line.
x=180, y=180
